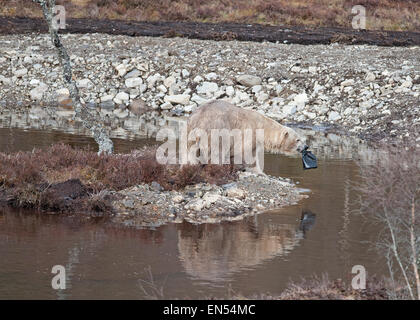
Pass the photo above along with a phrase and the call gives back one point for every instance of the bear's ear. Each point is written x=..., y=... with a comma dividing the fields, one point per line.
x=286, y=134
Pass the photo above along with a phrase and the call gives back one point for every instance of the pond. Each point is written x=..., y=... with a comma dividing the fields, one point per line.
x=260, y=254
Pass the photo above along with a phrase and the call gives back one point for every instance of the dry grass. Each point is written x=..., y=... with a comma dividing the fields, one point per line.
x=381, y=14
x=390, y=194
x=32, y=179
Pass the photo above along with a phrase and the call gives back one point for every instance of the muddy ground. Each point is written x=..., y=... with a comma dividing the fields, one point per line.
x=221, y=31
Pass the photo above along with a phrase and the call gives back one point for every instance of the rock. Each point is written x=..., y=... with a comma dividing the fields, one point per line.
x=198, y=79
x=133, y=82
x=185, y=73
x=190, y=108
x=207, y=87
x=151, y=80
x=169, y=81
x=211, y=76
x=178, y=198
x=107, y=97
x=289, y=109
x=63, y=92
x=195, y=204
x=312, y=69
x=84, y=83
x=138, y=107
x=199, y=100
x=235, y=193
x=256, y=89
x=162, y=88
x=121, y=97
x=34, y=82
x=249, y=80
x=347, y=83
x=107, y=105
x=210, y=198
x=301, y=99
x=156, y=186
x=230, y=91
x=334, y=116
x=38, y=92
x=20, y=72
x=133, y=74
x=121, y=114
x=121, y=69
x=183, y=99
x=5, y=81
x=166, y=106
x=370, y=76
x=407, y=84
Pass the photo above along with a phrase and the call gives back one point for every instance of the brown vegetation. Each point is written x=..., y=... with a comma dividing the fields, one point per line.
x=321, y=288
x=381, y=15
x=391, y=194
x=57, y=176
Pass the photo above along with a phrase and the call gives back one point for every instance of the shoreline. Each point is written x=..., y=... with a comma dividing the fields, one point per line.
x=374, y=94
x=217, y=31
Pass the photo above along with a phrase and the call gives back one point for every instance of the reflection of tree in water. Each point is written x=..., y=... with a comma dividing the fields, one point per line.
x=211, y=252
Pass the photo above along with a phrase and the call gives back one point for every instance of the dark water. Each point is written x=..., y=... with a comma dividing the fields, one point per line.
x=258, y=255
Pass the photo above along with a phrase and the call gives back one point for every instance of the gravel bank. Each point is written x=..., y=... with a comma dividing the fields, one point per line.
x=147, y=205
x=369, y=91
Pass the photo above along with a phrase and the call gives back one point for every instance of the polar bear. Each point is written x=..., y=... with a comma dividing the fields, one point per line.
x=219, y=114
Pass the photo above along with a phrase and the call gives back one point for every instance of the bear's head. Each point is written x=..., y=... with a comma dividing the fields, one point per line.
x=291, y=143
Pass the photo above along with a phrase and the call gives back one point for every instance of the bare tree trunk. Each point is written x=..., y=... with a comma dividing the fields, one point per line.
x=414, y=249
x=396, y=254
x=88, y=120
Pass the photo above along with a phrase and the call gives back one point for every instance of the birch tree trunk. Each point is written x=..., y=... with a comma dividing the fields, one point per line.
x=88, y=120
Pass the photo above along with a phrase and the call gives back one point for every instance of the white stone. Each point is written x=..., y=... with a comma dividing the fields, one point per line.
x=166, y=106
x=207, y=87
x=334, y=116
x=235, y=193
x=133, y=82
x=195, y=204
x=38, y=92
x=162, y=88
x=230, y=91
x=248, y=80
x=34, y=82
x=301, y=99
x=84, y=83
x=121, y=97
x=348, y=82
x=198, y=99
x=289, y=109
x=198, y=79
x=370, y=76
x=169, y=81
x=178, y=99
x=108, y=97
x=211, y=76
x=63, y=92
x=407, y=84
x=121, y=69
x=256, y=89
x=21, y=72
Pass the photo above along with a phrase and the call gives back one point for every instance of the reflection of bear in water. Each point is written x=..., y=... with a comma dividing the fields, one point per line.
x=210, y=252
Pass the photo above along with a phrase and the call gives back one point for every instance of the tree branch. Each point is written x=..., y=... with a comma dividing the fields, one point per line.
x=88, y=120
